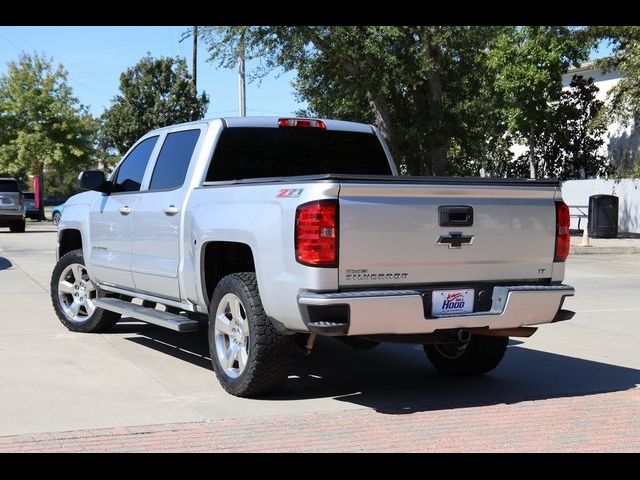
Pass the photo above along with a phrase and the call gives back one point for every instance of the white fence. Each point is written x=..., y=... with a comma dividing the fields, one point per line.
x=577, y=192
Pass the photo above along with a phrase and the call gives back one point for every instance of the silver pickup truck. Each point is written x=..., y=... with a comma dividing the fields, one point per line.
x=12, y=209
x=272, y=231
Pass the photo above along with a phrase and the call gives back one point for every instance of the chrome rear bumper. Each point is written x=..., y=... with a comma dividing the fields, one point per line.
x=402, y=311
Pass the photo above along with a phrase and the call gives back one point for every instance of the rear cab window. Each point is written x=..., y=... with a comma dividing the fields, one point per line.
x=173, y=161
x=259, y=152
x=9, y=185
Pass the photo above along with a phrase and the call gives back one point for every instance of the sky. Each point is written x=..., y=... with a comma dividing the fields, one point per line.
x=95, y=57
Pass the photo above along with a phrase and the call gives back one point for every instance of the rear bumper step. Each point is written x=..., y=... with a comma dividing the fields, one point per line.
x=401, y=311
x=149, y=315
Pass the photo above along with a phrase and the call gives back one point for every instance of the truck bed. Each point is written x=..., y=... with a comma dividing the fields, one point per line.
x=403, y=179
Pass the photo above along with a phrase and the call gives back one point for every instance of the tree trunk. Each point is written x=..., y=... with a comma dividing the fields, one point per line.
x=438, y=156
x=439, y=144
x=377, y=102
x=532, y=153
x=380, y=108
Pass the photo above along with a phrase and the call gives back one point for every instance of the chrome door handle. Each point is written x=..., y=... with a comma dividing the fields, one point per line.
x=125, y=210
x=170, y=210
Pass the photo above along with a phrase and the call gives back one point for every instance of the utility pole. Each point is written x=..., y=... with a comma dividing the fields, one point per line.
x=195, y=58
x=241, y=81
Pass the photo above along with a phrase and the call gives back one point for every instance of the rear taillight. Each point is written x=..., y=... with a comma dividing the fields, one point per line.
x=563, y=238
x=316, y=233
x=300, y=123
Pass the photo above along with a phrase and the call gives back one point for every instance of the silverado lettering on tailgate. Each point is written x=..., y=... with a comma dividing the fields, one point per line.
x=363, y=274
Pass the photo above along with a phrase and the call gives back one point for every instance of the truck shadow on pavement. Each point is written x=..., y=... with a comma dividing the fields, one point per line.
x=397, y=379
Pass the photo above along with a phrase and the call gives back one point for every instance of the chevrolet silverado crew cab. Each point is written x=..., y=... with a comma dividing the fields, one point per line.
x=272, y=231
x=12, y=209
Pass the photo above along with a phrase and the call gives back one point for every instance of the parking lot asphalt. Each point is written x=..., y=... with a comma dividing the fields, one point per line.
x=142, y=376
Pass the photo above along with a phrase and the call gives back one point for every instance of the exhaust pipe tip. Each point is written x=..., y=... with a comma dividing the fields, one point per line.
x=464, y=336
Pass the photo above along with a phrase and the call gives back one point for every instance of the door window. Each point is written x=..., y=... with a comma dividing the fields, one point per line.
x=131, y=171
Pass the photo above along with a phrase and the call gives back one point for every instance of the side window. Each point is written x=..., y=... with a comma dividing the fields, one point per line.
x=131, y=171
x=173, y=160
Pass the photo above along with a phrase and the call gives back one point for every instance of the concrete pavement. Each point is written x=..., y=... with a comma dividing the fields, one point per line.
x=603, y=246
x=145, y=376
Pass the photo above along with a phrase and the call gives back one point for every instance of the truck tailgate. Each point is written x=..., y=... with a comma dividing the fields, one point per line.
x=391, y=233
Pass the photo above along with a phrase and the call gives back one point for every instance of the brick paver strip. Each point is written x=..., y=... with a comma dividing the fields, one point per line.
x=602, y=422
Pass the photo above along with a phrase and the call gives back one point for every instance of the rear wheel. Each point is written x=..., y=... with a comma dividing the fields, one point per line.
x=248, y=354
x=18, y=227
x=73, y=293
x=480, y=355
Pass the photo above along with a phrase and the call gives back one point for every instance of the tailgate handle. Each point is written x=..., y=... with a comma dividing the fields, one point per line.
x=455, y=216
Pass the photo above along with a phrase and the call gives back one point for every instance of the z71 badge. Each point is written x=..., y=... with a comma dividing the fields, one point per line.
x=290, y=193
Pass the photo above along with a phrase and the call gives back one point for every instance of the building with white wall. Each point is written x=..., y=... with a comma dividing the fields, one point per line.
x=621, y=142
x=621, y=146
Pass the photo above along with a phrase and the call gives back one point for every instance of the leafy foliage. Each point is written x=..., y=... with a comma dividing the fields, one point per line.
x=570, y=137
x=153, y=93
x=528, y=63
x=450, y=100
x=42, y=125
x=421, y=85
x=625, y=57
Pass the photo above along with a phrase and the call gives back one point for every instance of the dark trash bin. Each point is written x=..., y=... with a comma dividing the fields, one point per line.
x=603, y=216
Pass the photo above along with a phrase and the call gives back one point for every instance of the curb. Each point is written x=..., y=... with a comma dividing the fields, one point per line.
x=575, y=250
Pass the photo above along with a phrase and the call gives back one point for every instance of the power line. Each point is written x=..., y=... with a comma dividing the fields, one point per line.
x=265, y=111
x=10, y=42
x=111, y=84
x=108, y=95
x=74, y=81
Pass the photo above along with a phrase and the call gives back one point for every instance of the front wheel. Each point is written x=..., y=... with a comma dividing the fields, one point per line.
x=480, y=355
x=250, y=357
x=56, y=218
x=73, y=293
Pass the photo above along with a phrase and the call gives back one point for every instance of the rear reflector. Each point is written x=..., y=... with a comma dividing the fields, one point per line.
x=316, y=234
x=300, y=123
x=563, y=237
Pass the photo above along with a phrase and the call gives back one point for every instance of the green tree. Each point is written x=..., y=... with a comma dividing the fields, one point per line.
x=625, y=57
x=43, y=128
x=572, y=150
x=153, y=93
x=528, y=63
x=420, y=85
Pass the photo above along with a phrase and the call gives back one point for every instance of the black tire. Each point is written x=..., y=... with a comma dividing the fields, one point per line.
x=100, y=321
x=18, y=227
x=56, y=218
x=268, y=351
x=481, y=355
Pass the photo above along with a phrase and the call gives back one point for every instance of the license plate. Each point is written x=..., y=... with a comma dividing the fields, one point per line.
x=449, y=302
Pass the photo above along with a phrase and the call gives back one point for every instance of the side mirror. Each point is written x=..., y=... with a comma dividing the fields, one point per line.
x=94, y=180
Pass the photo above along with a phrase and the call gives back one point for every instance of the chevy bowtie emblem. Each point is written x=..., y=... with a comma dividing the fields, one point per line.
x=455, y=239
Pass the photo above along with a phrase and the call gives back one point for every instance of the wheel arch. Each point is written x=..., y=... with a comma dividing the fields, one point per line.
x=221, y=258
x=69, y=239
